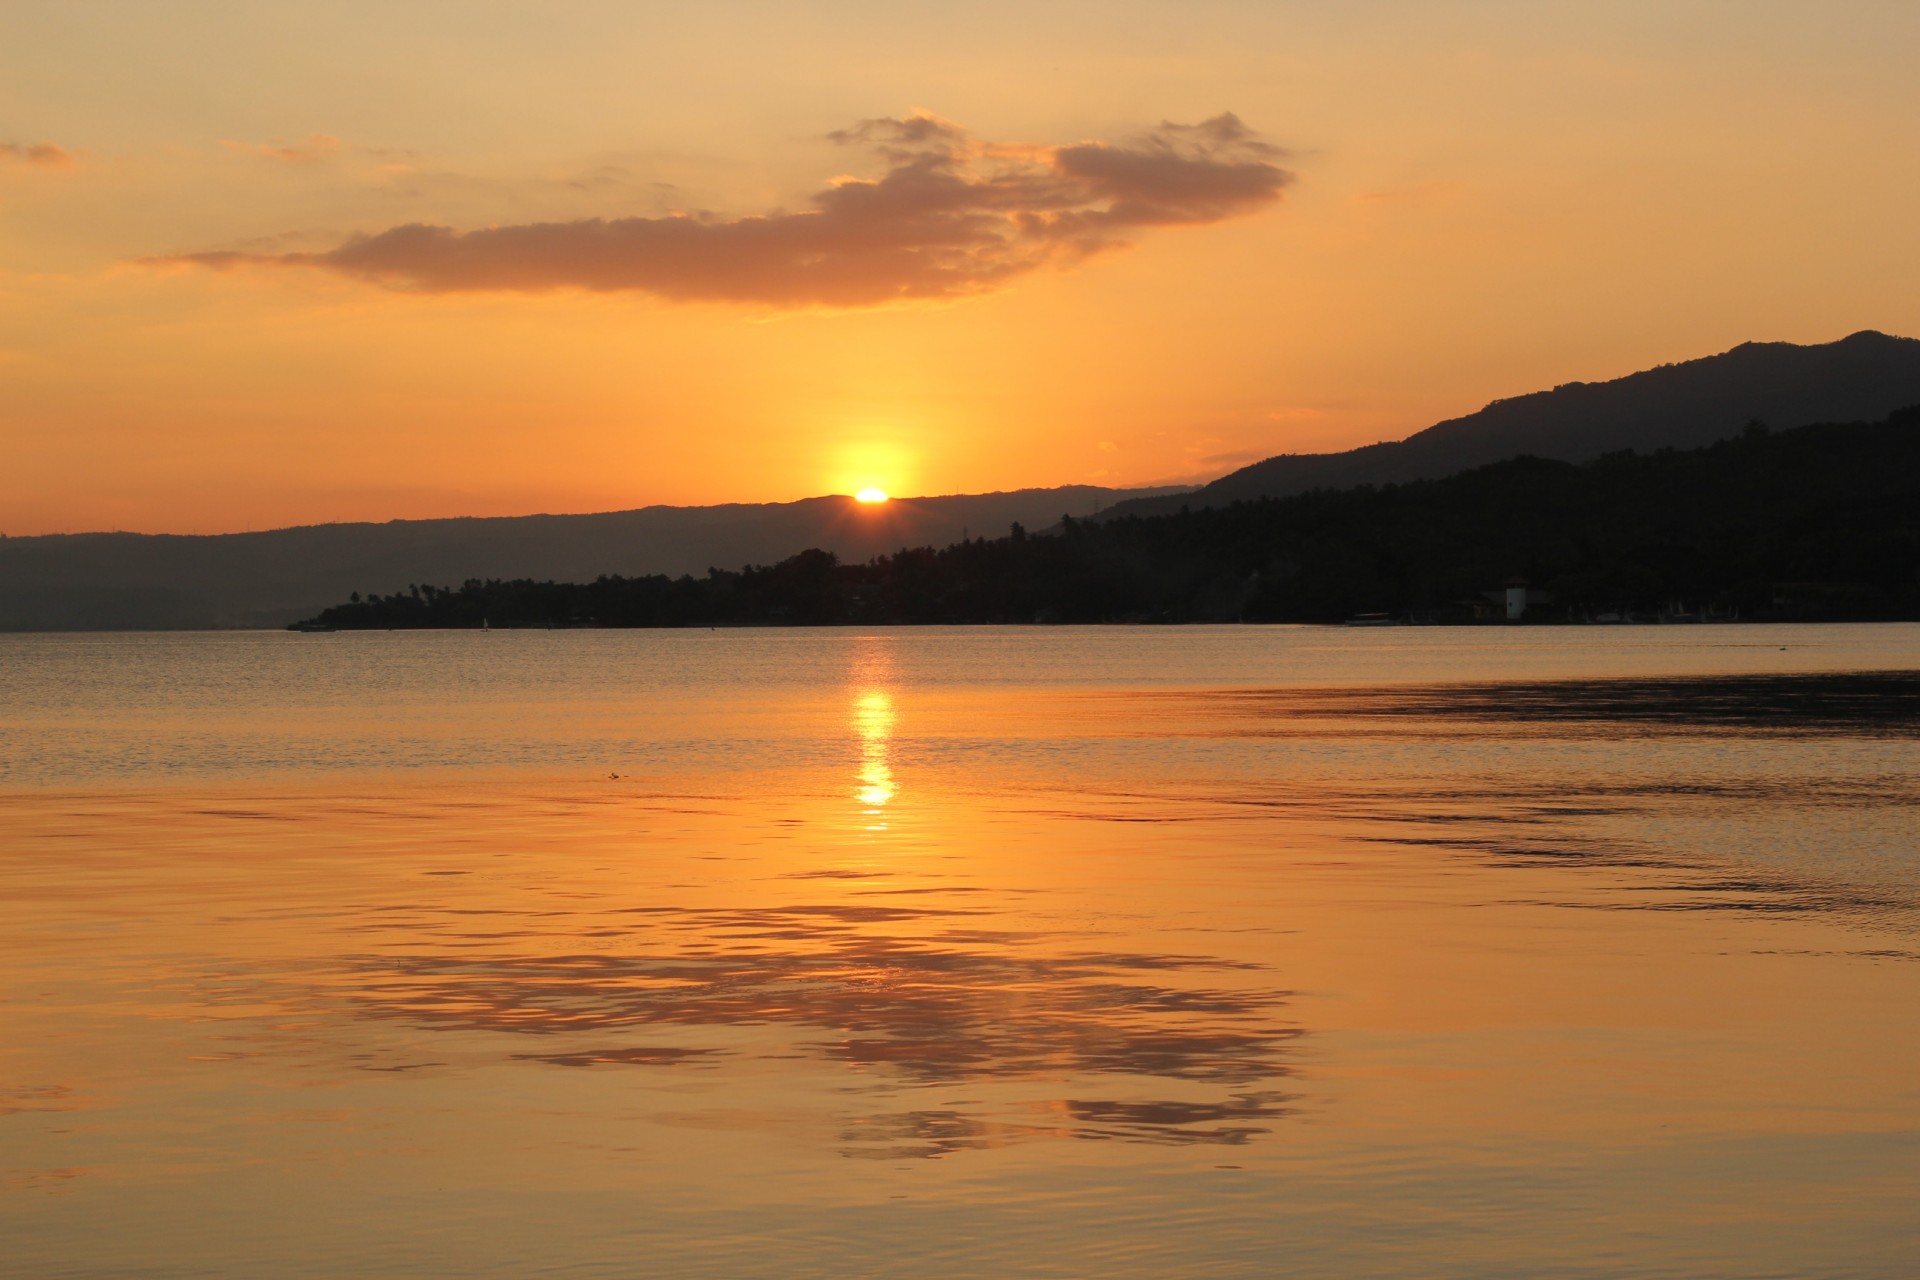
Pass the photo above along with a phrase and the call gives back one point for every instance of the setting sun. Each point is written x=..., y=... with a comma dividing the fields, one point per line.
x=870, y=495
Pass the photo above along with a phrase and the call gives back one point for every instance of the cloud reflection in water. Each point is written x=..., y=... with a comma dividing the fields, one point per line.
x=961, y=1007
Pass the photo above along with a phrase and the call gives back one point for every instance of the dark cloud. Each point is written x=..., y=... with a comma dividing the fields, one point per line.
x=949, y=215
x=40, y=153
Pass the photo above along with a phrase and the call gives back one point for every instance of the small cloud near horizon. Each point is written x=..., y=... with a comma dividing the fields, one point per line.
x=1236, y=458
x=951, y=215
x=44, y=154
x=317, y=147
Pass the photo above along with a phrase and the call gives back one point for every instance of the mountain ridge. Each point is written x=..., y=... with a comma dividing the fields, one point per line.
x=1817, y=523
x=103, y=581
x=136, y=581
x=1686, y=404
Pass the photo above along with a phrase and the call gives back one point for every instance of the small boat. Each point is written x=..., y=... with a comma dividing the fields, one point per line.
x=1373, y=620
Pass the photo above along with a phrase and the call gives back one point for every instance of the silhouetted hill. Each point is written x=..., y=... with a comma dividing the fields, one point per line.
x=131, y=581
x=1818, y=523
x=1860, y=378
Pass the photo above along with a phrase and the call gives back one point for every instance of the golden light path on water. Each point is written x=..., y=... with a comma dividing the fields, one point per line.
x=873, y=723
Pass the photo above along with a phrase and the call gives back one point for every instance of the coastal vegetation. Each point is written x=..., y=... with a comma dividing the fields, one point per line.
x=1821, y=522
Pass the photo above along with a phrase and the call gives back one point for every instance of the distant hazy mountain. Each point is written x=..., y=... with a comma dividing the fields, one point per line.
x=131, y=581
x=1861, y=378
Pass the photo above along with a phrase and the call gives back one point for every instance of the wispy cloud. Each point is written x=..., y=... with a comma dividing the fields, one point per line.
x=320, y=146
x=1235, y=457
x=949, y=215
x=44, y=154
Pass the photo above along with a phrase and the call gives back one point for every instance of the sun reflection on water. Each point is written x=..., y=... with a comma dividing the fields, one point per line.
x=873, y=722
x=873, y=719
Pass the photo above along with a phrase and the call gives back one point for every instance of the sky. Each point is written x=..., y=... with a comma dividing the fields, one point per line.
x=291, y=263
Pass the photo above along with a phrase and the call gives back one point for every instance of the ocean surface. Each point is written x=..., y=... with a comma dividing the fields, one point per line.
x=981, y=952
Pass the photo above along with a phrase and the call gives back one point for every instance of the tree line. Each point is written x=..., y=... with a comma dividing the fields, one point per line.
x=1817, y=522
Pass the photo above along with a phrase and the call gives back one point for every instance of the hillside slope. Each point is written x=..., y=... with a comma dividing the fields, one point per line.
x=1861, y=378
x=1822, y=522
x=131, y=581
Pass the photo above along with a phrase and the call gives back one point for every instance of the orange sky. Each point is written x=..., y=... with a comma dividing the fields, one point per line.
x=1020, y=275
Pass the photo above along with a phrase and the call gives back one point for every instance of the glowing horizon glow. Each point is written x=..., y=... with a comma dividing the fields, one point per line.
x=1471, y=220
x=871, y=495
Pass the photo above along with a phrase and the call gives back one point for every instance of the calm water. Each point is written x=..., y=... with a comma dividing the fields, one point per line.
x=984, y=952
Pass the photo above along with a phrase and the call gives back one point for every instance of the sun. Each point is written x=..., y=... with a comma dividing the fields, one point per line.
x=871, y=495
